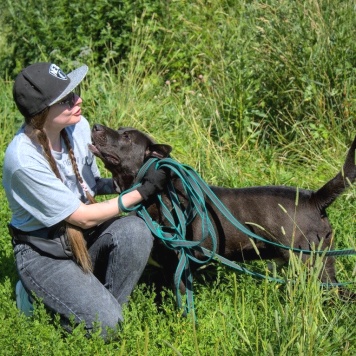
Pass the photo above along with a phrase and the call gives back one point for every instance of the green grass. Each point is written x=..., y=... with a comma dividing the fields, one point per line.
x=236, y=314
x=261, y=116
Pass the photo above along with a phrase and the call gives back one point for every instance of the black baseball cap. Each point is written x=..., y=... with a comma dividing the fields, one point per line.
x=43, y=84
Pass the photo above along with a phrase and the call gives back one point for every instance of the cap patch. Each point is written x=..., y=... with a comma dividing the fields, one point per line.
x=57, y=72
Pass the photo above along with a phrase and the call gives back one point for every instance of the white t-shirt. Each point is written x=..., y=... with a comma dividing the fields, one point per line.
x=37, y=198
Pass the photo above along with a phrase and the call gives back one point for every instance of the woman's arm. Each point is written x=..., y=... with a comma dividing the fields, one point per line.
x=87, y=216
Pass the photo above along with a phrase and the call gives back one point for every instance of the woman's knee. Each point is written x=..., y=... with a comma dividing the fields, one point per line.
x=132, y=230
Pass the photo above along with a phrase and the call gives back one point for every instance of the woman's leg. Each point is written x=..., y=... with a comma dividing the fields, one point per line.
x=120, y=254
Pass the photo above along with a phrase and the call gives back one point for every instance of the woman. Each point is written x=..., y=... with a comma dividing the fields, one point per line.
x=74, y=254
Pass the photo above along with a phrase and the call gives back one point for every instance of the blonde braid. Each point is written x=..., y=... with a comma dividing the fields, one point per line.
x=74, y=233
x=80, y=251
x=40, y=136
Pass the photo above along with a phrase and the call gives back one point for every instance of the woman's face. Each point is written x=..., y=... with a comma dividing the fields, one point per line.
x=65, y=113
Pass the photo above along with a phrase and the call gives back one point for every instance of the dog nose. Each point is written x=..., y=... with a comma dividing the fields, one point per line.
x=97, y=127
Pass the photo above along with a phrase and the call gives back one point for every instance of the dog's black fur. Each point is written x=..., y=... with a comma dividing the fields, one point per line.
x=286, y=215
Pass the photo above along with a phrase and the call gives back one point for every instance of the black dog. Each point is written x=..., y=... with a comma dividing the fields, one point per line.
x=289, y=216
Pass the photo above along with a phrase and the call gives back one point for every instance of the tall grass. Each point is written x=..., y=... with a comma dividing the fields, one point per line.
x=226, y=124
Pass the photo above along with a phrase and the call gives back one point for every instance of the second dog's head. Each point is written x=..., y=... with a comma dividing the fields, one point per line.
x=124, y=151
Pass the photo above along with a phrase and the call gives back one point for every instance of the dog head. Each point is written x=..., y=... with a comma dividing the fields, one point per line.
x=124, y=151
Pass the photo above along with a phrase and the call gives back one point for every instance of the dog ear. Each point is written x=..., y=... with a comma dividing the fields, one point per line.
x=158, y=151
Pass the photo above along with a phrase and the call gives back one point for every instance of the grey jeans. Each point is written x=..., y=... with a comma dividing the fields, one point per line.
x=119, y=255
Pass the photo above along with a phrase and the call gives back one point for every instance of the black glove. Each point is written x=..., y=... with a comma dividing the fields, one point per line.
x=153, y=182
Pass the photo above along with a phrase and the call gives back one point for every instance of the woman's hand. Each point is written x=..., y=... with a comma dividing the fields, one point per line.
x=153, y=182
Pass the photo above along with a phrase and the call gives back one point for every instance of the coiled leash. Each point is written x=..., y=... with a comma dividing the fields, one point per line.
x=173, y=235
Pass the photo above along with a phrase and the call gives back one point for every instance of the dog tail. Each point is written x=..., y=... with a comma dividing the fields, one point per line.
x=332, y=189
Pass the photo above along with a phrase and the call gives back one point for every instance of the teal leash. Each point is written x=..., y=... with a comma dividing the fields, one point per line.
x=173, y=235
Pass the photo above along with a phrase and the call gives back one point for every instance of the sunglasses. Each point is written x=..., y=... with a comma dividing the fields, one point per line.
x=70, y=99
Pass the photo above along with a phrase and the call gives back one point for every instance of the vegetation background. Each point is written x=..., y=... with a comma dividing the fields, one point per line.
x=248, y=93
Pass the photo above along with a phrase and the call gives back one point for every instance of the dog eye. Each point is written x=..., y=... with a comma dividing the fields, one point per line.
x=126, y=136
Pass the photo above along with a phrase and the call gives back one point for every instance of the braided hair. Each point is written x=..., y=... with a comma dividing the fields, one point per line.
x=74, y=233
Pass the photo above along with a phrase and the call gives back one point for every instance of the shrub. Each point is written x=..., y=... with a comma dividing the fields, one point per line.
x=82, y=30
